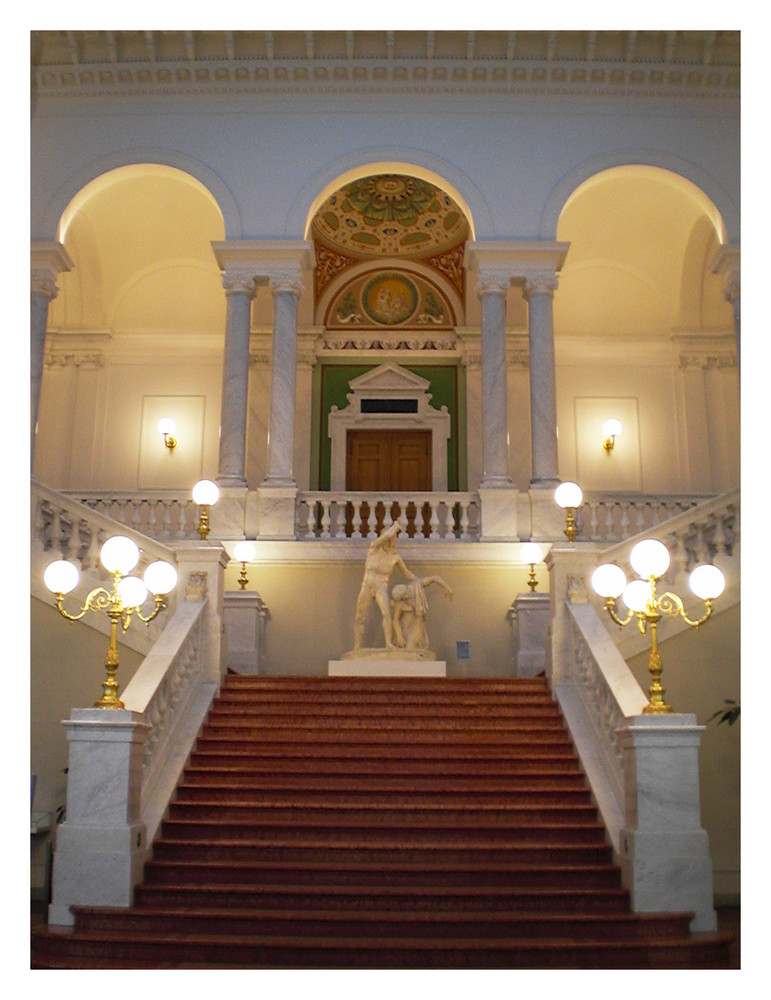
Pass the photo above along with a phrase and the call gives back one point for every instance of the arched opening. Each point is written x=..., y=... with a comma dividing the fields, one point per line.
x=389, y=286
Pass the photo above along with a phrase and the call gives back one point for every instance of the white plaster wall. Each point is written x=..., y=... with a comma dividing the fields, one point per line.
x=267, y=159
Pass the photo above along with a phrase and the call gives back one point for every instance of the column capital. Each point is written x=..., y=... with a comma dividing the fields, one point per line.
x=48, y=260
x=515, y=260
x=263, y=260
x=286, y=281
x=727, y=262
x=539, y=284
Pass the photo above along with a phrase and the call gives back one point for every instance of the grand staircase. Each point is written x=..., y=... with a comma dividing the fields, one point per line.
x=381, y=823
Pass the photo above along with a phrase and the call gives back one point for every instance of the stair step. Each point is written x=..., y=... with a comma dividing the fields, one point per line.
x=384, y=924
x=342, y=816
x=101, y=950
x=303, y=794
x=378, y=872
x=354, y=898
x=386, y=851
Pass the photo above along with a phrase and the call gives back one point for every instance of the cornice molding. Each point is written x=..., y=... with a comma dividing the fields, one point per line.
x=687, y=64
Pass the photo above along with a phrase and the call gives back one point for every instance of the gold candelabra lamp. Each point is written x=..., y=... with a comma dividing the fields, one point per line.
x=569, y=497
x=244, y=553
x=119, y=555
x=650, y=559
x=531, y=553
x=205, y=494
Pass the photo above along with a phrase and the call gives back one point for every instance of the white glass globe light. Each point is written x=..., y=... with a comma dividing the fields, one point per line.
x=707, y=582
x=206, y=493
x=531, y=553
x=167, y=426
x=61, y=576
x=609, y=580
x=160, y=577
x=568, y=495
x=119, y=555
x=245, y=552
x=636, y=595
x=611, y=427
x=132, y=592
x=650, y=558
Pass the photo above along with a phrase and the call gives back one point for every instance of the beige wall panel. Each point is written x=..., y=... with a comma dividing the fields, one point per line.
x=164, y=468
x=311, y=612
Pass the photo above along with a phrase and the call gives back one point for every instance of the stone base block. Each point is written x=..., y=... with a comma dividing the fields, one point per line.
x=375, y=667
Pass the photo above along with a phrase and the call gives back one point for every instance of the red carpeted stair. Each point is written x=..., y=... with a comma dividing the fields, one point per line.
x=381, y=823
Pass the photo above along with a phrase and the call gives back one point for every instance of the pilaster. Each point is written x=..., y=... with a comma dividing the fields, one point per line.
x=48, y=260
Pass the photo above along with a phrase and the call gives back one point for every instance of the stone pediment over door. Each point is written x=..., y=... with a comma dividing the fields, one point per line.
x=389, y=398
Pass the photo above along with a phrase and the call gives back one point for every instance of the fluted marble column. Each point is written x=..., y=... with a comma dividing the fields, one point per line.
x=48, y=260
x=495, y=450
x=239, y=289
x=539, y=292
x=286, y=290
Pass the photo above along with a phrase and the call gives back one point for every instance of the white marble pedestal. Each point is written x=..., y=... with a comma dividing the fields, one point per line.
x=665, y=859
x=530, y=618
x=386, y=665
x=101, y=846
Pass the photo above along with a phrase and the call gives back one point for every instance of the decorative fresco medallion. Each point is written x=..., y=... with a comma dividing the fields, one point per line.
x=390, y=215
x=389, y=299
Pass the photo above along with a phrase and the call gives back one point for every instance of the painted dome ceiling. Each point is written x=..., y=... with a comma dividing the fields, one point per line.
x=390, y=215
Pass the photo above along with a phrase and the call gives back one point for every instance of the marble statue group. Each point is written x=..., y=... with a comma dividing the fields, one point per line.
x=404, y=610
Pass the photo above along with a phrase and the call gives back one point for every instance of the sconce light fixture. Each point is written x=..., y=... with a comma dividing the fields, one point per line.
x=650, y=559
x=119, y=556
x=168, y=428
x=569, y=497
x=531, y=554
x=205, y=494
x=611, y=429
x=244, y=553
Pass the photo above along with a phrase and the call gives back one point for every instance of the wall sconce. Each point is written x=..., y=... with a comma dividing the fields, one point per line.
x=168, y=428
x=205, y=494
x=119, y=556
x=244, y=553
x=532, y=554
x=569, y=497
x=611, y=429
x=650, y=559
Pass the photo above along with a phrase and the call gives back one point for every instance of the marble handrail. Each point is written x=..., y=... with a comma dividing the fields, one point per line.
x=435, y=516
x=612, y=518
x=172, y=693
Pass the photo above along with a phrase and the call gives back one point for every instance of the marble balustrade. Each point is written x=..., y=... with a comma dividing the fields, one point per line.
x=435, y=516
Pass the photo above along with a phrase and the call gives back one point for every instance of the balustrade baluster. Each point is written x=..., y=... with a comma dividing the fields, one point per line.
x=640, y=519
x=64, y=533
x=701, y=548
x=356, y=518
x=166, y=530
x=326, y=517
x=464, y=520
x=624, y=525
x=593, y=521
x=435, y=519
x=610, y=531
x=84, y=547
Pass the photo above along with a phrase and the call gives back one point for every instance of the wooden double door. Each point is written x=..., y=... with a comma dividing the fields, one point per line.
x=390, y=461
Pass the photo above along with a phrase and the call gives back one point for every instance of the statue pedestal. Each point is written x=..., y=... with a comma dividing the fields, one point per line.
x=386, y=665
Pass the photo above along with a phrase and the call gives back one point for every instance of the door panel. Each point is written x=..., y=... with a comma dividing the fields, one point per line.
x=389, y=462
